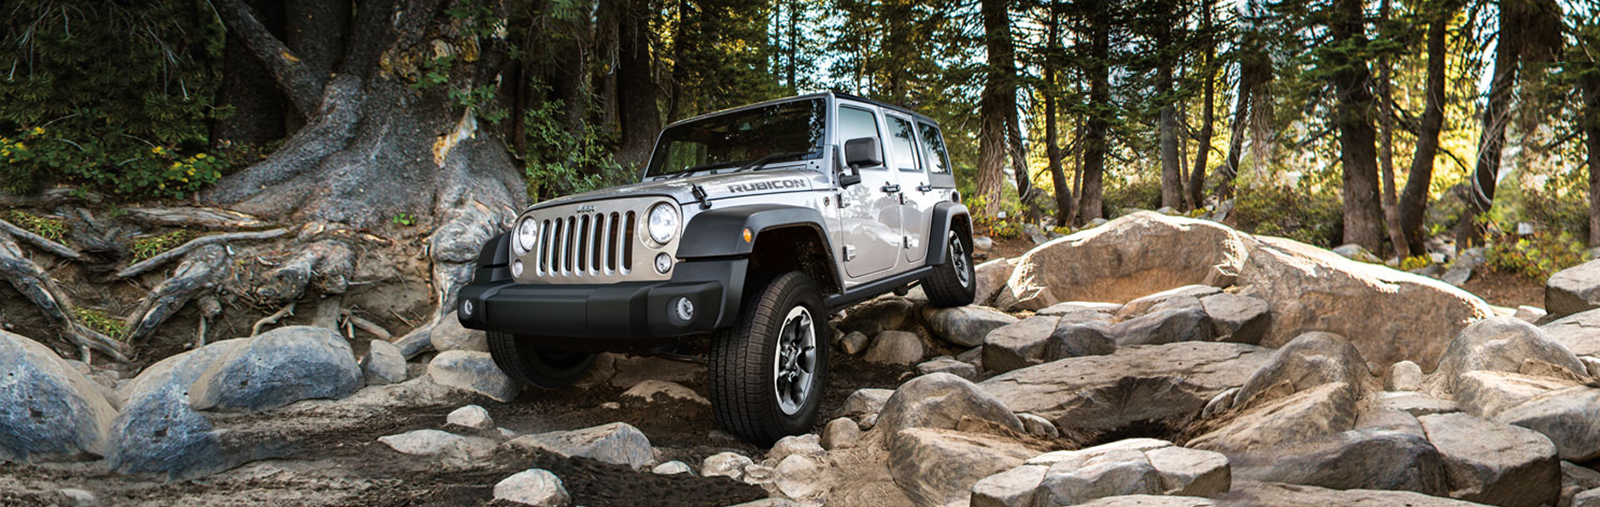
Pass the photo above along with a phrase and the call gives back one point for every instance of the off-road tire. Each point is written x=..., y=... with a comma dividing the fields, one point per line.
x=744, y=394
x=529, y=364
x=954, y=283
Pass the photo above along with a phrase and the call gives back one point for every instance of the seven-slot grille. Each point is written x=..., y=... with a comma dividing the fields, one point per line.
x=589, y=244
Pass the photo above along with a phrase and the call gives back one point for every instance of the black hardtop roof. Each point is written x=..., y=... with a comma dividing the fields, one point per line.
x=819, y=95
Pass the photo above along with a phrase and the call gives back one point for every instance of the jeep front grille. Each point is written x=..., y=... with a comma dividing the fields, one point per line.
x=593, y=242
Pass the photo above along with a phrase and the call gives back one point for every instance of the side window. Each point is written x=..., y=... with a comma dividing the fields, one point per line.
x=856, y=122
x=902, y=143
x=933, y=149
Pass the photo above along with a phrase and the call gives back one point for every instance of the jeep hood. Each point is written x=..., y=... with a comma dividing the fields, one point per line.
x=717, y=186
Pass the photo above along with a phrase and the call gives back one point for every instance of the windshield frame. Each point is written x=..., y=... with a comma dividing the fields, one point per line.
x=817, y=153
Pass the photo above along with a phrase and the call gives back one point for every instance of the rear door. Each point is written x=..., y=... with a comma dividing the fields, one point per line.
x=870, y=211
x=916, y=193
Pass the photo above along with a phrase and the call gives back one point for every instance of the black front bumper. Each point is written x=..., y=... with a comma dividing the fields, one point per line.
x=626, y=311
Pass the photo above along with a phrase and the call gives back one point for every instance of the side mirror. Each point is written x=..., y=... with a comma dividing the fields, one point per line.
x=862, y=152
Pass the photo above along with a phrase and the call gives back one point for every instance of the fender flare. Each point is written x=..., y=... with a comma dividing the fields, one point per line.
x=946, y=215
x=496, y=252
x=720, y=232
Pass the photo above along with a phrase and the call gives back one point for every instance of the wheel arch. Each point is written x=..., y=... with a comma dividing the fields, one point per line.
x=781, y=236
x=946, y=216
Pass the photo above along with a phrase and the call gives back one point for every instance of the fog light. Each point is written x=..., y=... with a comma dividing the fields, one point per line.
x=516, y=268
x=683, y=309
x=663, y=263
x=466, y=307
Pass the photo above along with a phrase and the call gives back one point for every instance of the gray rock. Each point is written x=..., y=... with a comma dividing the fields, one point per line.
x=1191, y=472
x=941, y=401
x=1494, y=463
x=1151, y=501
x=876, y=316
x=841, y=433
x=1573, y=290
x=77, y=497
x=1016, y=487
x=1039, y=426
x=1456, y=276
x=1579, y=332
x=673, y=468
x=471, y=417
x=449, y=335
x=47, y=407
x=383, y=364
x=965, y=325
x=853, y=343
x=1590, y=498
x=1503, y=344
x=1378, y=419
x=982, y=243
x=1530, y=314
x=616, y=443
x=1576, y=479
x=1238, y=319
x=1219, y=403
x=1360, y=459
x=1116, y=473
x=935, y=467
x=1078, y=339
x=1019, y=344
x=424, y=442
x=1187, y=296
x=535, y=487
x=801, y=476
x=157, y=431
x=1141, y=383
x=1403, y=376
x=1414, y=403
x=1570, y=417
x=1083, y=309
x=1165, y=326
x=1276, y=423
x=1486, y=393
x=1308, y=361
x=947, y=364
x=279, y=367
x=809, y=444
x=864, y=402
x=895, y=347
x=991, y=278
x=1295, y=495
x=725, y=464
x=475, y=372
x=1357, y=253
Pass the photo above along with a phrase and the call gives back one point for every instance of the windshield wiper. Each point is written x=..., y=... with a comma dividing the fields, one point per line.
x=757, y=163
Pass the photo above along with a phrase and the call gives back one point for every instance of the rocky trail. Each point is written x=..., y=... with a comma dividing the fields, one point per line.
x=1150, y=361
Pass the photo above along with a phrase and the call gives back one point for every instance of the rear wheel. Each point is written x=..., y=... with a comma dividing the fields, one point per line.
x=953, y=283
x=769, y=370
x=537, y=366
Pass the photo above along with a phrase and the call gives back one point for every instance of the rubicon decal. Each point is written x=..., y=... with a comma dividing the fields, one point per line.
x=766, y=185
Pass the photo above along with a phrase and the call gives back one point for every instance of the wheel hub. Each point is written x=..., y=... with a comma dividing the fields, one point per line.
x=794, y=364
x=958, y=256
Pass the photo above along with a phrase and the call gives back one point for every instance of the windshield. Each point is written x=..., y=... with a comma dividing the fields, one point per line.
x=745, y=139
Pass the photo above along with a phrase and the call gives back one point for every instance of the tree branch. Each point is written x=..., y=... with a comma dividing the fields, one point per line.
x=299, y=83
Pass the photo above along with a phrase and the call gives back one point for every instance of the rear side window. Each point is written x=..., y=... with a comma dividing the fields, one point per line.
x=933, y=149
x=903, y=144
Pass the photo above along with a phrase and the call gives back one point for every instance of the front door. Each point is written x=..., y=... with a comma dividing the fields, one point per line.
x=869, y=211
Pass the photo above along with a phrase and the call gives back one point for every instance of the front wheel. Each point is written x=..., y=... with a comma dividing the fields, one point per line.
x=953, y=283
x=768, y=371
x=537, y=366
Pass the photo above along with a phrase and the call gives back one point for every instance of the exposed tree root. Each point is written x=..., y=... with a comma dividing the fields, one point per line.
x=196, y=275
x=272, y=319
x=40, y=241
x=182, y=250
x=328, y=310
x=208, y=218
x=370, y=327
x=328, y=263
x=209, y=309
x=36, y=285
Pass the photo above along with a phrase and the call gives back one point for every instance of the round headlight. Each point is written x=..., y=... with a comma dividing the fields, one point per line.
x=527, y=235
x=663, y=223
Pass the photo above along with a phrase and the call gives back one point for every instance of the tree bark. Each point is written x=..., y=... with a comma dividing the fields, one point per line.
x=1590, y=83
x=1413, y=202
x=638, y=111
x=1197, y=176
x=1052, y=139
x=257, y=102
x=1363, y=216
x=992, y=107
x=1092, y=205
x=1385, y=83
x=1171, y=174
x=1496, y=114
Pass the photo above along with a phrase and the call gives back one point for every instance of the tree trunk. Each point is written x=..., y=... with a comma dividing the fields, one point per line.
x=1391, y=215
x=1590, y=82
x=1413, y=202
x=1241, y=118
x=1091, y=201
x=258, y=106
x=1052, y=138
x=1197, y=176
x=1171, y=174
x=1496, y=114
x=992, y=107
x=638, y=111
x=1363, y=216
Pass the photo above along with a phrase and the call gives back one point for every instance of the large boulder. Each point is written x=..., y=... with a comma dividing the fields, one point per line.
x=1132, y=256
x=1268, y=494
x=1314, y=413
x=1124, y=467
x=935, y=467
x=992, y=277
x=157, y=431
x=1134, y=384
x=1310, y=360
x=1573, y=290
x=1388, y=315
x=1168, y=325
x=450, y=335
x=876, y=316
x=941, y=401
x=616, y=443
x=1358, y=459
x=1030, y=342
x=1570, y=417
x=1502, y=344
x=1488, y=393
x=47, y=407
x=1495, y=463
x=1579, y=332
x=1238, y=319
x=279, y=367
x=475, y=372
x=965, y=325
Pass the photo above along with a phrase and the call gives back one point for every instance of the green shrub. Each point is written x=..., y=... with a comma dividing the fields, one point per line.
x=1133, y=192
x=1536, y=256
x=151, y=246
x=50, y=228
x=559, y=161
x=1298, y=213
x=99, y=321
x=1415, y=262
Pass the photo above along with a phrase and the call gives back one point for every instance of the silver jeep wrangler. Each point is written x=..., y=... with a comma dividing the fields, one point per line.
x=749, y=227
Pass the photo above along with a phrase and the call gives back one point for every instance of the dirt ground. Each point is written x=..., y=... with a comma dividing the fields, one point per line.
x=1504, y=289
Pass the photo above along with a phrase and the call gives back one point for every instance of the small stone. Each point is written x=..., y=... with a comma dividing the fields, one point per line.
x=610, y=405
x=473, y=371
x=758, y=474
x=1191, y=472
x=617, y=443
x=535, y=487
x=853, y=343
x=799, y=476
x=1039, y=426
x=1219, y=403
x=383, y=364
x=1403, y=376
x=1590, y=498
x=424, y=442
x=470, y=416
x=840, y=433
x=895, y=347
x=725, y=464
x=1531, y=314
x=672, y=468
x=809, y=444
x=450, y=335
x=78, y=498
x=947, y=364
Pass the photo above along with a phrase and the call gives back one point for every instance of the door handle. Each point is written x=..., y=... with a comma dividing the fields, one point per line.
x=925, y=187
x=891, y=188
